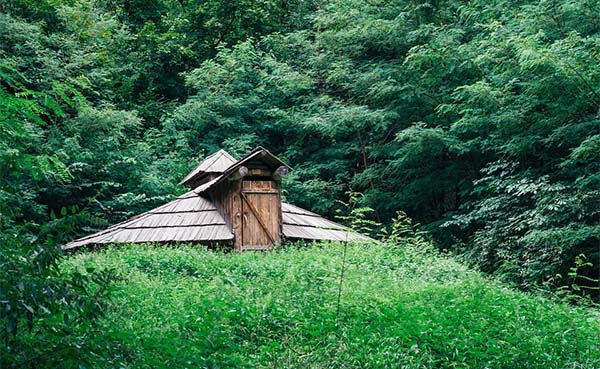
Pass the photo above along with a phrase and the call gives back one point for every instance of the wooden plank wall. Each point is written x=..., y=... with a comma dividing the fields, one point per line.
x=265, y=194
x=226, y=197
x=261, y=208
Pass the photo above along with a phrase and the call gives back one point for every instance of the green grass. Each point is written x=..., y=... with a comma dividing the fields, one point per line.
x=401, y=307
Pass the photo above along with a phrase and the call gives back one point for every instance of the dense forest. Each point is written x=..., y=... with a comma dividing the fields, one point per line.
x=478, y=119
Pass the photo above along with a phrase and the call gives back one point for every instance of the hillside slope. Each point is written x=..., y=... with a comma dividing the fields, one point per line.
x=402, y=306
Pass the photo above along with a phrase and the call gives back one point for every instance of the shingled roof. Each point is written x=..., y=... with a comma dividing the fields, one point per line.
x=215, y=163
x=302, y=224
x=188, y=218
x=195, y=217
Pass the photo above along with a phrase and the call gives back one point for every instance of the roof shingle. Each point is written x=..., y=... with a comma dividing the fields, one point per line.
x=190, y=218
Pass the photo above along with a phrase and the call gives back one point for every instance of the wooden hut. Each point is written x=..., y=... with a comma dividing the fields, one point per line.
x=236, y=203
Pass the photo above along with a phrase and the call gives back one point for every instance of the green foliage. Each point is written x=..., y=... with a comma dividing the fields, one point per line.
x=577, y=291
x=544, y=232
x=356, y=217
x=479, y=120
x=402, y=304
x=43, y=312
x=35, y=299
x=404, y=230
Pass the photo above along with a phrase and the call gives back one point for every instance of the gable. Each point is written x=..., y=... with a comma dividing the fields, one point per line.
x=259, y=156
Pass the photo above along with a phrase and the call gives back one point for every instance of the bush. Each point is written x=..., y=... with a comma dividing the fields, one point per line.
x=45, y=316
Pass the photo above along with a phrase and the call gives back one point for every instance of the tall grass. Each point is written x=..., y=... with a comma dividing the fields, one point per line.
x=401, y=307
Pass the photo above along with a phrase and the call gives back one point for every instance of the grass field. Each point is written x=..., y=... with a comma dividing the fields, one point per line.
x=400, y=307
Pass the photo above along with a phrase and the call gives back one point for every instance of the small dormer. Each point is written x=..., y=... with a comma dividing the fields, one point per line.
x=210, y=168
x=248, y=196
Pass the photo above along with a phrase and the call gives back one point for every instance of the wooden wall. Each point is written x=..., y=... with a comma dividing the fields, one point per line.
x=227, y=199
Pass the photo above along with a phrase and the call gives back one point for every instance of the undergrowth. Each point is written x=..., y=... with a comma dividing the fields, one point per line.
x=403, y=305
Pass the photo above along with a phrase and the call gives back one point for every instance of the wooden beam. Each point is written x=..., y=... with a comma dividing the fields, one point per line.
x=239, y=174
x=280, y=172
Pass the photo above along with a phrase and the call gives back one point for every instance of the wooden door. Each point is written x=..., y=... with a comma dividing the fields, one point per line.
x=261, y=215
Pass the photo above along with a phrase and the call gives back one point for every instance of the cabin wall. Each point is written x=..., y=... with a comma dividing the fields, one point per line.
x=226, y=197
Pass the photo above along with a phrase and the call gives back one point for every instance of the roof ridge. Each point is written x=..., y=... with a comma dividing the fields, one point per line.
x=216, y=156
x=226, y=154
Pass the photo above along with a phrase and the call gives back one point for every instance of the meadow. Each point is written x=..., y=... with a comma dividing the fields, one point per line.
x=402, y=305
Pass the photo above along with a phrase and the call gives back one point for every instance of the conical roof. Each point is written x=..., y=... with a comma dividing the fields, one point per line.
x=216, y=163
x=194, y=217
